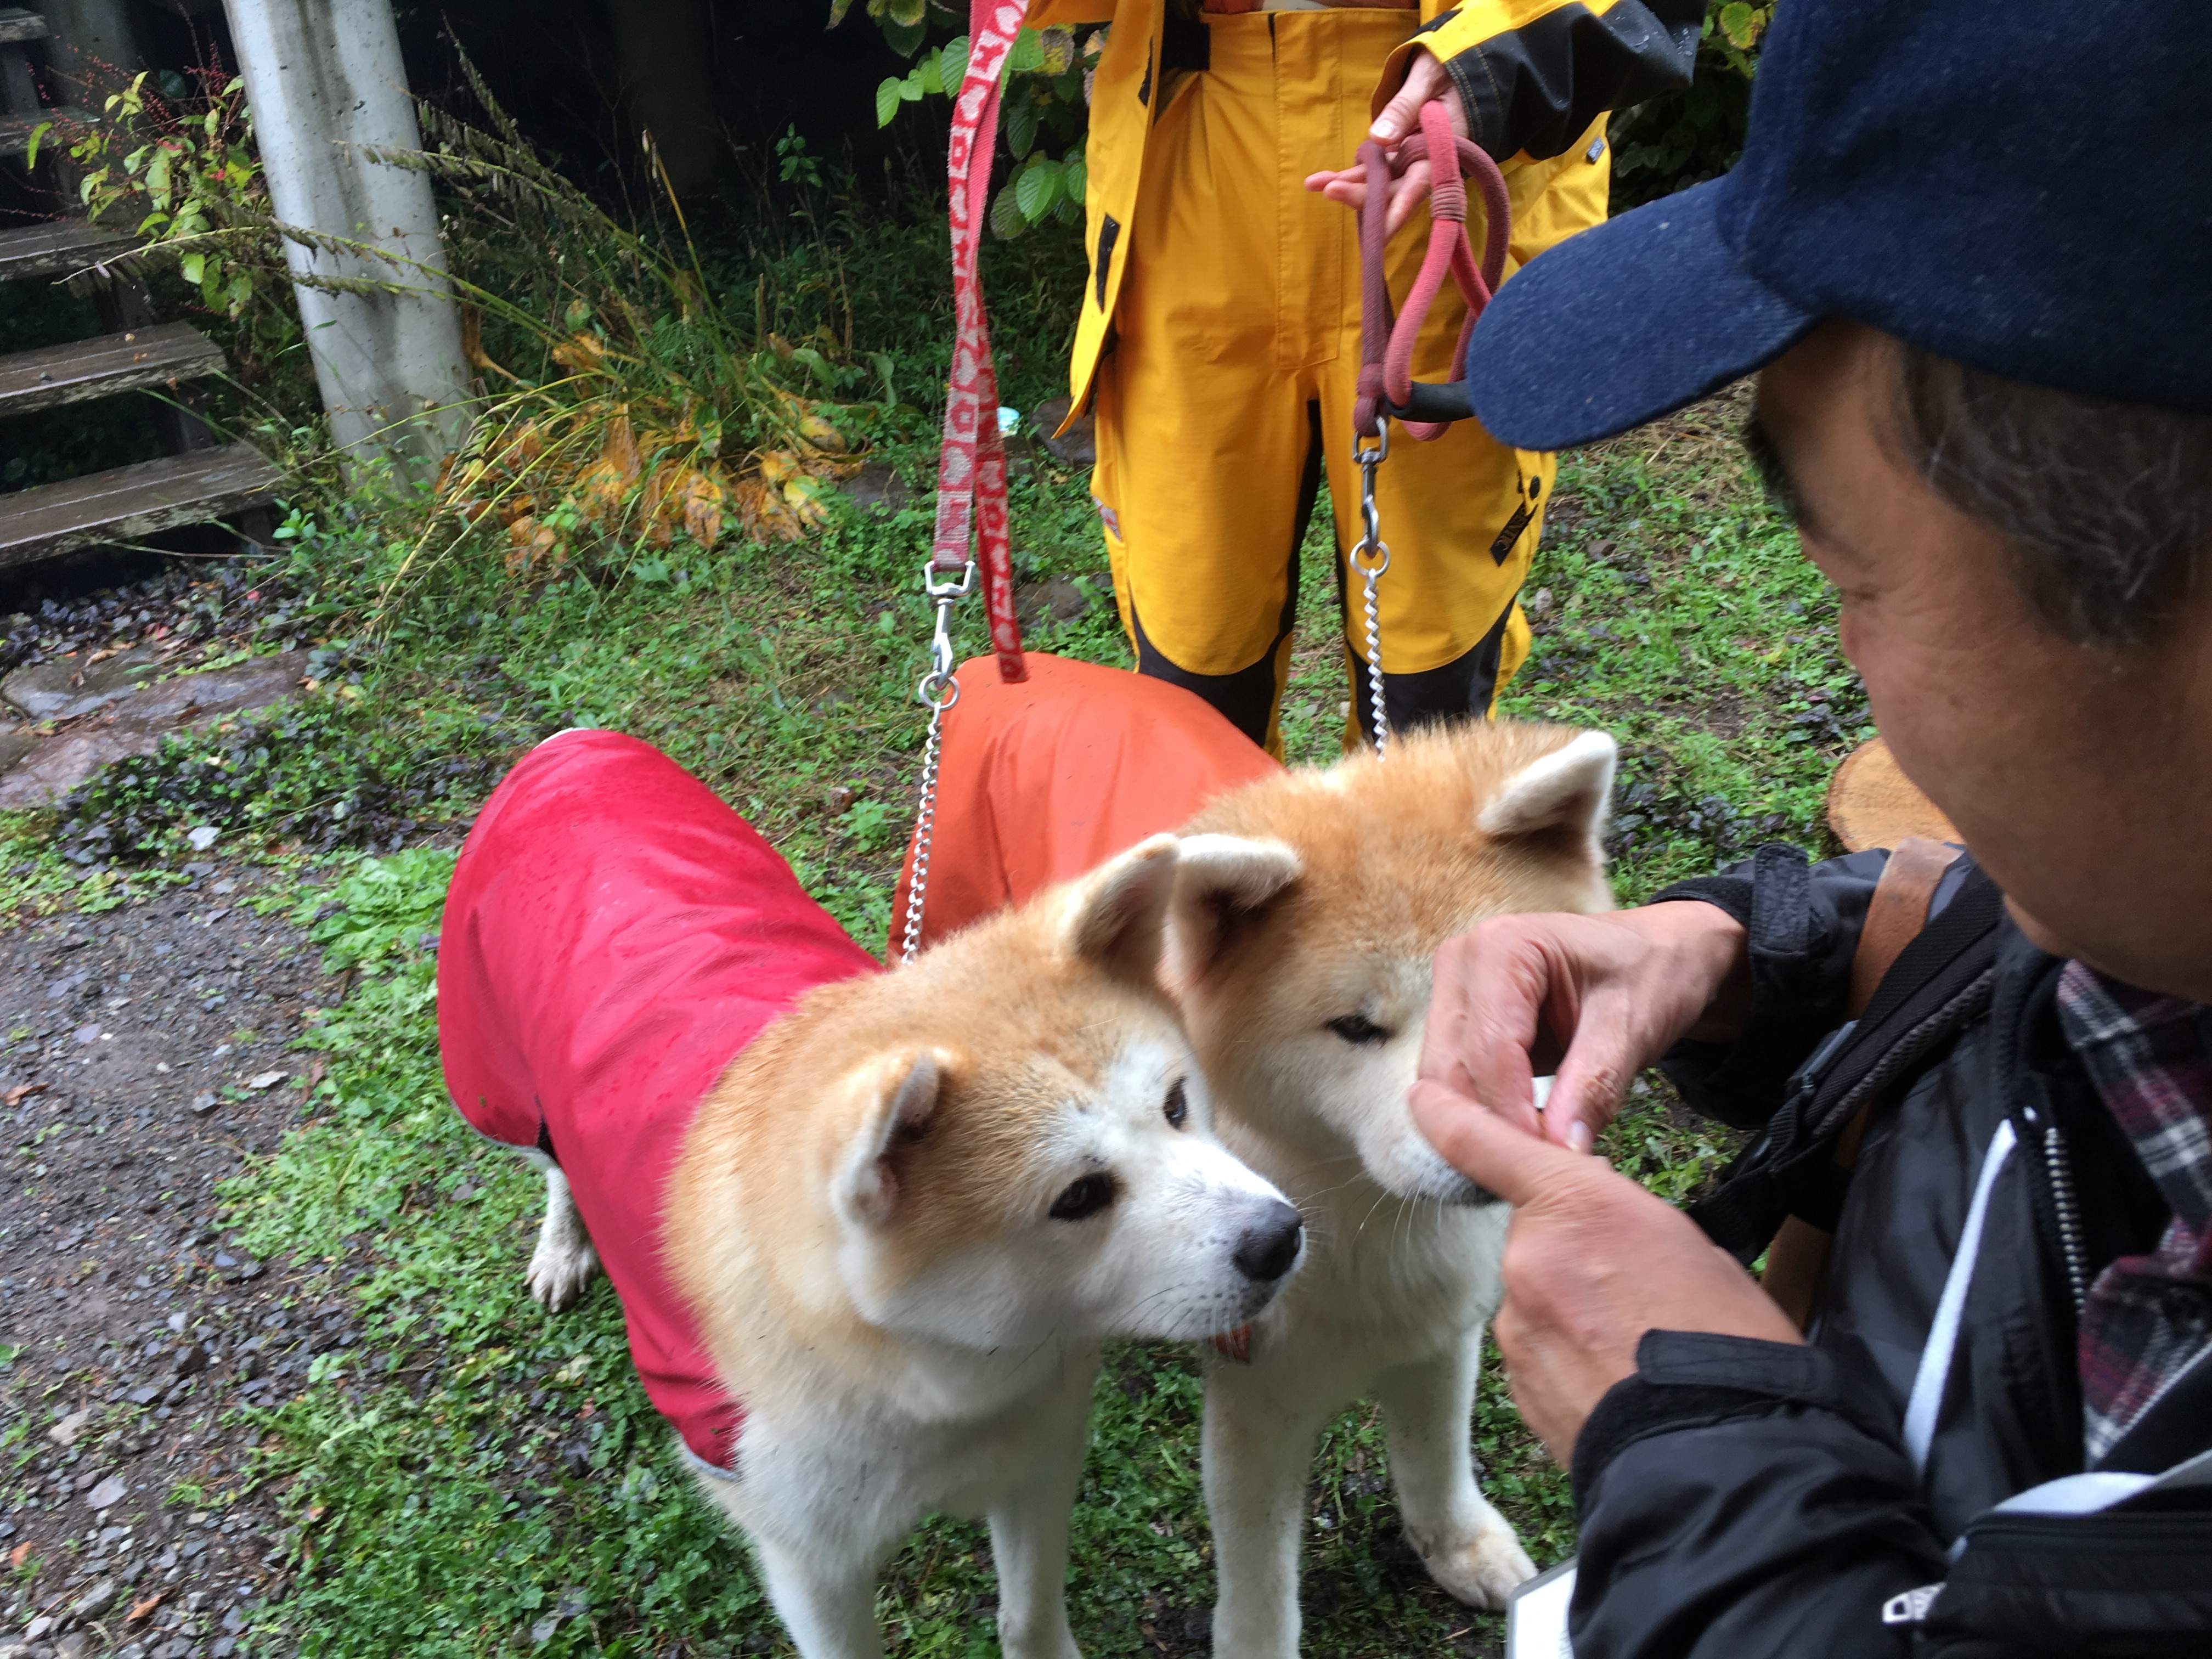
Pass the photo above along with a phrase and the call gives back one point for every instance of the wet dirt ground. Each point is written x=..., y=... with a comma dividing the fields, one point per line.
x=144, y=1054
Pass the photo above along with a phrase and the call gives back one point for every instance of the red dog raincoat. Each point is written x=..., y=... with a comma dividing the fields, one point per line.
x=614, y=936
x=1043, y=781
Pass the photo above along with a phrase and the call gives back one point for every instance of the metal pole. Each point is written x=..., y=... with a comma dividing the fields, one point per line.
x=323, y=76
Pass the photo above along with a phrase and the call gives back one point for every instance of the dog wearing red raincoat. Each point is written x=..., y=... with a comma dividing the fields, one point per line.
x=868, y=1228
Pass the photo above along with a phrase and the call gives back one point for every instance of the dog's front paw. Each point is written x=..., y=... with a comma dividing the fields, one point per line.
x=1483, y=1571
x=559, y=1271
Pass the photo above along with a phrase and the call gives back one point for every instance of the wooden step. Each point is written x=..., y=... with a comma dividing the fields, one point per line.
x=85, y=369
x=132, y=502
x=16, y=130
x=16, y=24
x=58, y=249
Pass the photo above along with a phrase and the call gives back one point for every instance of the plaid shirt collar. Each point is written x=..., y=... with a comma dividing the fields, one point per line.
x=2146, y=1317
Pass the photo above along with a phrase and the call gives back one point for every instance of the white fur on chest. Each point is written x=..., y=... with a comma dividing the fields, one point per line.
x=875, y=1465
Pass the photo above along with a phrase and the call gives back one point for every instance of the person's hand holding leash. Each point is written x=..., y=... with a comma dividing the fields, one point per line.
x=1424, y=80
x=1592, y=1262
x=1599, y=997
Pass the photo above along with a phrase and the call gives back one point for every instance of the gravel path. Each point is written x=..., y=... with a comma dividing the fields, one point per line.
x=143, y=1055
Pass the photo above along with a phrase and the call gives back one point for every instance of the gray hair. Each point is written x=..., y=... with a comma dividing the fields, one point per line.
x=2107, y=506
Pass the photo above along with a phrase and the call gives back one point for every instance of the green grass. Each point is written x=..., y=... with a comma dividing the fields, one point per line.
x=1684, y=620
x=475, y=1473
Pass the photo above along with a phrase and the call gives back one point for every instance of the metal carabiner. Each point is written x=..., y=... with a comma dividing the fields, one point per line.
x=946, y=593
x=937, y=691
x=1369, y=457
x=1368, y=558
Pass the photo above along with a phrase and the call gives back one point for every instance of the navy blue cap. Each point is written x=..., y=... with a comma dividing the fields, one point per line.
x=2026, y=187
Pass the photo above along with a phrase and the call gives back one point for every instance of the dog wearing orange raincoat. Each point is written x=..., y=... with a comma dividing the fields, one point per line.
x=1300, y=934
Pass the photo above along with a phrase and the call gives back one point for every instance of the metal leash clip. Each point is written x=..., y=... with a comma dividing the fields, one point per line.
x=1368, y=558
x=937, y=691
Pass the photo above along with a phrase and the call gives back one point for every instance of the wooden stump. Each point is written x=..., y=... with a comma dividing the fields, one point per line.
x=1872, y=804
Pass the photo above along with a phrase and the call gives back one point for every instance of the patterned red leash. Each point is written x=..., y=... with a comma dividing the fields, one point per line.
x=1386, y=343
x=972, y=469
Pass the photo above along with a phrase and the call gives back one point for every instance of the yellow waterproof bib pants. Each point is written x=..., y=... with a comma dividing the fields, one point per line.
x=1230, y=383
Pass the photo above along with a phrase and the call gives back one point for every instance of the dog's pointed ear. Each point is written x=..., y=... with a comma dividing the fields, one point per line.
x=897, y=1093
x=1114, y=915
x=1221, y=883
x=1569, y=789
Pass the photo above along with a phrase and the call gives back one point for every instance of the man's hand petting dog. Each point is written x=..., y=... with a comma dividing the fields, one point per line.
x=1597, y=998
x=1592, y=1262
x=1424, y=80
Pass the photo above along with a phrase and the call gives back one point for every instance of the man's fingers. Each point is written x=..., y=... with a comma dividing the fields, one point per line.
x=1442, y=1032
x=1590, y=1085
x=1614, y=1040
x=1499, y=982
x=1500, y=1077
x=1487, y=1149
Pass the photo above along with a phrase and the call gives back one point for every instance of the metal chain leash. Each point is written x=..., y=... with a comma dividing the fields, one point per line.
x=1368, y=558
x=937, y=691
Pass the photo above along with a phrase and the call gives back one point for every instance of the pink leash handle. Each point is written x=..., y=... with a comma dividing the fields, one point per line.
x=1387, y=338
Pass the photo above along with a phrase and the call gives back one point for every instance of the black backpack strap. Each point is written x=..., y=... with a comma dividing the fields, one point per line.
x=1939, y=983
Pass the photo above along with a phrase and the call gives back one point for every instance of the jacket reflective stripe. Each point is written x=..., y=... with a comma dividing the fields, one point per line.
x=1943, y=1335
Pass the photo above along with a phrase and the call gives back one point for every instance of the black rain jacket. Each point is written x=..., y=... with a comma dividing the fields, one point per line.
x=1741, y=1499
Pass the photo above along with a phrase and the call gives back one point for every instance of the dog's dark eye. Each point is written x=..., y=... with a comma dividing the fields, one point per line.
x=1358, y=1029
x=1178, y=1105
x=1084, y=1198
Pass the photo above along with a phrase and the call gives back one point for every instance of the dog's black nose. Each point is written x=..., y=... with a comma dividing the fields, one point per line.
x=1270, y=1244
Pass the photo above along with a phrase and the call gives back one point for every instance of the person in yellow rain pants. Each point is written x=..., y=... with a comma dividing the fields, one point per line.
x=1219, y=332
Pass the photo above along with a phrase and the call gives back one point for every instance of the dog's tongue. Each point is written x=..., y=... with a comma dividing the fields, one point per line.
x=1235, y=1345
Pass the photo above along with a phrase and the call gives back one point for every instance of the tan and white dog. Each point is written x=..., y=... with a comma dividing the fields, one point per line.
x=1301, y=937
x=1306, y=912
x=894, y=1229
x=909, y=1214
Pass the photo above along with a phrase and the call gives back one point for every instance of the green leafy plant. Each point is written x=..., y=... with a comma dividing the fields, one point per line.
x=1045, y=107
x=1739, y=25
x=379, y=912
x=325, y=772
x=793, y=164
x=179, y=171
x=902, y=21
x=633, y=404
x=1683, y=138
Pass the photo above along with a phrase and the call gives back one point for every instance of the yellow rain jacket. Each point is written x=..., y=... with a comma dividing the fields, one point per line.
x=1218, y=336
